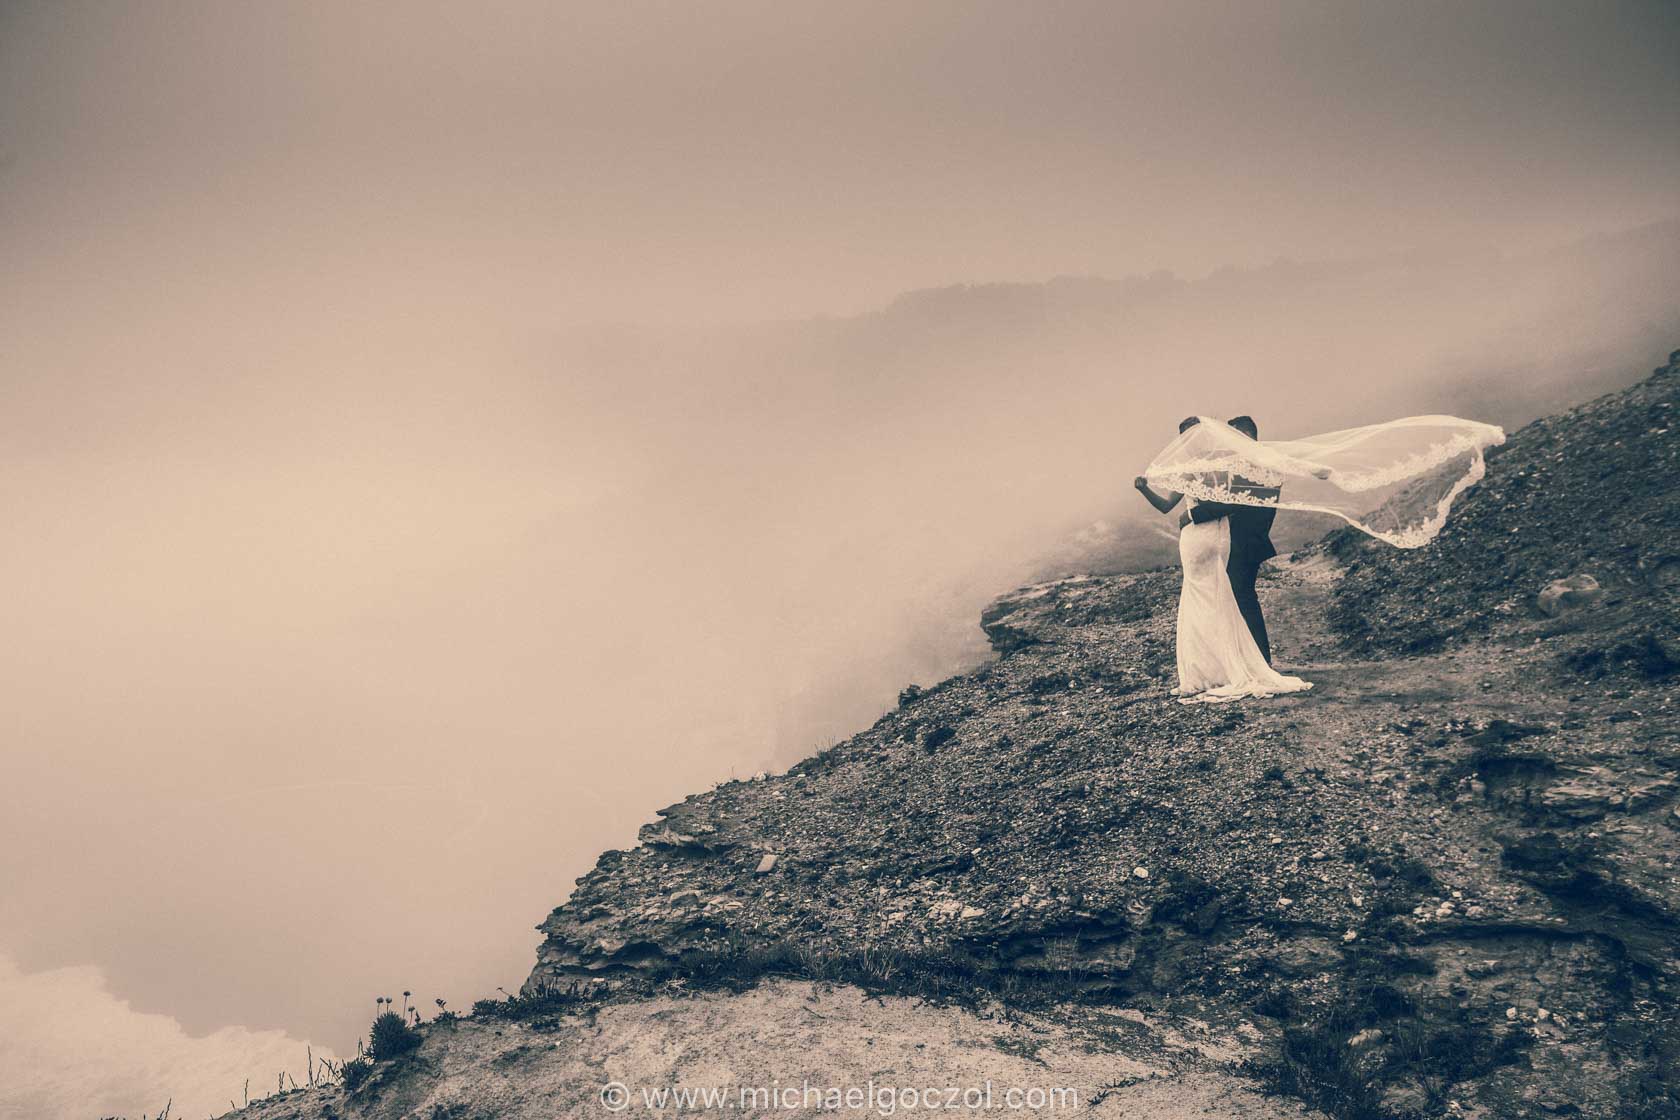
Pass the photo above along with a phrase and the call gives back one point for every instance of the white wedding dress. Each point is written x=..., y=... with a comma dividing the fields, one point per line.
x=1217, y=658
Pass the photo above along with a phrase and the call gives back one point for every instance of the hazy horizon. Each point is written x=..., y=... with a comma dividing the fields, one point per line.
x=432, y=445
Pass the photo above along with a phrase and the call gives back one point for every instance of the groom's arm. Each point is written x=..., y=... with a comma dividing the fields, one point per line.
x=1203, y=512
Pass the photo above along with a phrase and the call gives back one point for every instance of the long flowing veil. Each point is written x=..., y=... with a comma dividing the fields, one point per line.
x=1395, y=481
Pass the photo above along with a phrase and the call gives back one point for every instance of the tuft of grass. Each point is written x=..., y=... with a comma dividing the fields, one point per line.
x=391, y=1037
x=543, y=1001
x=1316, y=1064
x=353, y=1072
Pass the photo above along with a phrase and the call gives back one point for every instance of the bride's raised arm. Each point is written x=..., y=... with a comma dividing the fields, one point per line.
x=1162, y=503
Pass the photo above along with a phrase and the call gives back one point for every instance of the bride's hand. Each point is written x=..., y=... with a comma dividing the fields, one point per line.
x=1141, y=482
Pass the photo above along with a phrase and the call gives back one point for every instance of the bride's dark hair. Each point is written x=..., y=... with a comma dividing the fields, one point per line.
x=1187, y=423
x=1245, y=425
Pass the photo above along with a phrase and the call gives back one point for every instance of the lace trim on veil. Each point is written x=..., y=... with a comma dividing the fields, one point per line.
x=1428, y=459
x=1413, y=536
x=1358, y=475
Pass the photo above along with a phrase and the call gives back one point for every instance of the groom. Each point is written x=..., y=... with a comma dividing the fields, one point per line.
x=1251, y=541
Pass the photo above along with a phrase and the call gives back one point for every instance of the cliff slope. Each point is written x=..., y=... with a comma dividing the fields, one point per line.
x=1442, y=882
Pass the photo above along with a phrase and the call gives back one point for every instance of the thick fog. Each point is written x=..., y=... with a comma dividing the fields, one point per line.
x=429, y=445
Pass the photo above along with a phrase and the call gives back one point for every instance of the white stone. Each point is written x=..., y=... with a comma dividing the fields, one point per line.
x=1564, y=595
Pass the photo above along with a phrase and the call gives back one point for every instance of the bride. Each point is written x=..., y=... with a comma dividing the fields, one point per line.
x=1393, y=481
x=1218, y=658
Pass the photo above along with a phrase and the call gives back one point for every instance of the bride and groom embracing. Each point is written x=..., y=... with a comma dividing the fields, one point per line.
x=1395, y=481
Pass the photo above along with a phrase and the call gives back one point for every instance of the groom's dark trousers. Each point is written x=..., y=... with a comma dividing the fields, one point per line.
x=1251, y=546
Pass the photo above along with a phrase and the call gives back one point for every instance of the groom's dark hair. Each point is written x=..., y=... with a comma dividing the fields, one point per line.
x=1187, y=423
x=1245, y=425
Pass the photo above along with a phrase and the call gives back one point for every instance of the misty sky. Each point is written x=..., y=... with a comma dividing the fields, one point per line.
x=401, y=503
x=555, y=163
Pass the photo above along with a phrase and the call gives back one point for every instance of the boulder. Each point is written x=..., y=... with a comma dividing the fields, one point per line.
x=1563, y=596
x=1586, y=796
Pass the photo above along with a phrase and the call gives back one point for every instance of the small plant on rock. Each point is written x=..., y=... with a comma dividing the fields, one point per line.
x=391, y=1037
x=352, y=1072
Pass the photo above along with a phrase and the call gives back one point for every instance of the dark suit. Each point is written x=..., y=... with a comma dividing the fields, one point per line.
x=1251, y=546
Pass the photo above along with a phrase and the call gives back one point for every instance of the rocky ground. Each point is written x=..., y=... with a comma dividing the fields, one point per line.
x=1441, y=883
x=714, y=1053
x=1595, y=490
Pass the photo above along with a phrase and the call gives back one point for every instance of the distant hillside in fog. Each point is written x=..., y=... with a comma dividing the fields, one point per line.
x=1038, y=401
